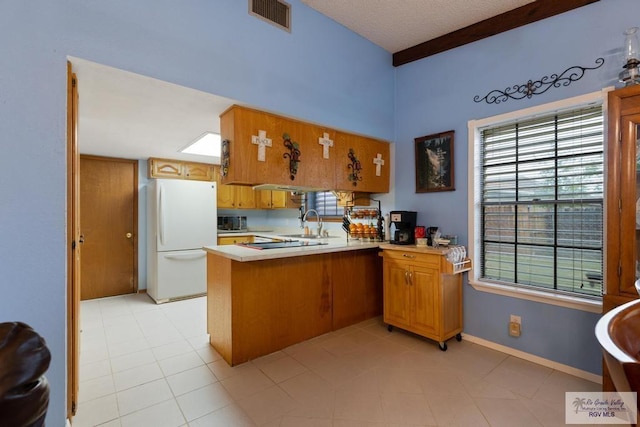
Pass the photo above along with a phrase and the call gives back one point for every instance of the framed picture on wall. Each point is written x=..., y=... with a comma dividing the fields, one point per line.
x=434, y=163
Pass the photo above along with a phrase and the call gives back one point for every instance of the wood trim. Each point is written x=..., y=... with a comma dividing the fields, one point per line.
x=73, y=245
x=527, y=14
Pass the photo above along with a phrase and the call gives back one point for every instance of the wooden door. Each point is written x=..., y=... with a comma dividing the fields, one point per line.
x=74, y=240
x=424, y=293
x=108, y=203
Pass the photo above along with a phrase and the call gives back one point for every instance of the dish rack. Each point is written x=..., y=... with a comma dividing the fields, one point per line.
x=459, y=267
x=363, y=223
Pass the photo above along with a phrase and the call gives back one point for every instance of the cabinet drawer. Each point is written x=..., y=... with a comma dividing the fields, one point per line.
x=432, y=260
x=232, y=240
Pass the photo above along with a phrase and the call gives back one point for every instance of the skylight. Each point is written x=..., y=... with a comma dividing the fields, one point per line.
x=207, y=144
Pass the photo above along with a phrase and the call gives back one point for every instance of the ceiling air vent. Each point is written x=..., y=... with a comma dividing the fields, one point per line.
x=275, y=12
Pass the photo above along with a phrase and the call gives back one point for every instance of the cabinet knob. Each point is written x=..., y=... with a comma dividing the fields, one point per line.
x=408, y=256
x=129, y=235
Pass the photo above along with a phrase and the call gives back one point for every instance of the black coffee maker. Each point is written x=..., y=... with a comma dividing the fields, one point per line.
x=404, y=224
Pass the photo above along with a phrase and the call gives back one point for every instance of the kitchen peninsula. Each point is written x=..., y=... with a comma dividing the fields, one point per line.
x=261, y=301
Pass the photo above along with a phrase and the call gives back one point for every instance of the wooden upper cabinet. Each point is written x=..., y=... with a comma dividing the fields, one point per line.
x=267, y=199
x=239, y=125
x=318, y=168
x=623, y=196
x=198, y=171
x=165, y=168
x=365, y=150
x=244, y=128
x=178, y=169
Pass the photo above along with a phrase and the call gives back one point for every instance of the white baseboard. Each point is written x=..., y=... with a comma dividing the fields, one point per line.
x=68, y=423
x=535, y=359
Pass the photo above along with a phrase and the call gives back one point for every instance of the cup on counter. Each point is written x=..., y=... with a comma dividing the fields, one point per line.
x=419, y=232
x=421, y=241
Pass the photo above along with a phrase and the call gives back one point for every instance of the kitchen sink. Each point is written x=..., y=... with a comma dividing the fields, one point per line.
x=307, y=236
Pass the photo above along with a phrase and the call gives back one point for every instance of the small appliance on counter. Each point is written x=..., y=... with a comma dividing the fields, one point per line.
x=232, y=223
x=403, y=224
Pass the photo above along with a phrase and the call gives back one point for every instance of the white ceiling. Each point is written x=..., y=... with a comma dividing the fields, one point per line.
x=399, y=24
x=122, y=114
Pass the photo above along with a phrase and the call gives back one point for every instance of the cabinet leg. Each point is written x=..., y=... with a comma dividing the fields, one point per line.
x=443, y=346
x=458, y=337
x=390, y=328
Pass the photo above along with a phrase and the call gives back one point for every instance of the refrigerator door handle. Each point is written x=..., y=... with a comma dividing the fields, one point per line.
x=186, y=256
x=161, y=214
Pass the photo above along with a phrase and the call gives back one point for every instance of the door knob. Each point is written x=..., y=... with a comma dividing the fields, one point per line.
x=129, y=235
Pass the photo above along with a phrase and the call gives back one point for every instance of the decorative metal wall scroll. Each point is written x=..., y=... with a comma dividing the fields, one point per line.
x=224, y=163
x=293, y=155
x=538, y=87
x=355, y=167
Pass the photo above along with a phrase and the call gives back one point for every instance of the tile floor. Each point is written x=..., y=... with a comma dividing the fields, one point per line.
x=144, y=364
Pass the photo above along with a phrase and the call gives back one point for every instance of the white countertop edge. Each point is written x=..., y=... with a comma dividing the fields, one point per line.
x=238, y=253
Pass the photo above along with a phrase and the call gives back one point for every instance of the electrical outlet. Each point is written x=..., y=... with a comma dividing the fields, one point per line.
x=515, y=322
x=514, y=329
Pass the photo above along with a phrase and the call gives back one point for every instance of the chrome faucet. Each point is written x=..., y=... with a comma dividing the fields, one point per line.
x=319, y=226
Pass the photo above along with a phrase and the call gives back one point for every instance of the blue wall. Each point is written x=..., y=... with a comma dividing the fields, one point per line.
x=320, y=72
x=436, y=94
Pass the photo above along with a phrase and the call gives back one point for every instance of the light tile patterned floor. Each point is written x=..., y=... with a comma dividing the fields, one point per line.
x=144, y=364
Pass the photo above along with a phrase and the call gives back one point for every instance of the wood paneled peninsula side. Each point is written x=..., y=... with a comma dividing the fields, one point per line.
x=261, y=301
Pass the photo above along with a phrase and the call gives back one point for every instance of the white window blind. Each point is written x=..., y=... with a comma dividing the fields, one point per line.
x=326, y=203
x=542, y=202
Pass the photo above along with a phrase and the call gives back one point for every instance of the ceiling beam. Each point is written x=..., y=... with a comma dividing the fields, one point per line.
x=515, y=18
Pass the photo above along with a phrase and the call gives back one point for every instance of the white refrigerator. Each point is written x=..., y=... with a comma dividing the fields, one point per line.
x=181, y=219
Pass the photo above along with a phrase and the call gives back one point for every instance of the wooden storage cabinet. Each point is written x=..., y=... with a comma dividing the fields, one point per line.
x=240, y=124
x=234, y=196
x=421, y=296
x=623, y=198
x=233, y=240
x=365, y=150
x=256, y=308
x=178, y=169
x=267, y=199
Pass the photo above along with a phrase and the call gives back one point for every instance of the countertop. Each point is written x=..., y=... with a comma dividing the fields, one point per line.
x=243, y=254
x=441, y=250
x=333, y=244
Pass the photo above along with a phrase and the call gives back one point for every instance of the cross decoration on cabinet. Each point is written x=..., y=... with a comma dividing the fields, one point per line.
x=261, y=141
x=379, y=163
x=326, y=143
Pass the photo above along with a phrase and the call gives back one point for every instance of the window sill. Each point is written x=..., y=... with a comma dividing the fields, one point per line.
x=575, y=303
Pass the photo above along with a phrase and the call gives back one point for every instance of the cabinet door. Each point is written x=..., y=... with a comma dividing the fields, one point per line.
x=239, y=125
x=623, y=197
x=425, y=314
x=365, y=151
x=226, y=196
x=164, y=168
x=245, y=197
x=396, y=293
x=279, y=199
x=198, y=171
x=263, y=199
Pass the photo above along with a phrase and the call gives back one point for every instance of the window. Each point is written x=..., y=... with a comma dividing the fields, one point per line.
x=326, y=203
x=538, y=189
